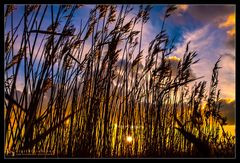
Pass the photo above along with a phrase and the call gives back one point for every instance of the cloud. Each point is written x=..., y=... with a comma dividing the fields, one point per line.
x=199, y=15
x=230, y=43
x=230, y=55
x=182, y=7
x=231, y=32
x=229, y=23
x=227, y=76
x=228, y=110
x=200, y=37
x=210, y=13
x=180, y=11
x=120, y=71
x=173, y=60
x=203, y=40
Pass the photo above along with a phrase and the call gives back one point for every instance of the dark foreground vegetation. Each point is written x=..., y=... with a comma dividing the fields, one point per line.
x=112, y=99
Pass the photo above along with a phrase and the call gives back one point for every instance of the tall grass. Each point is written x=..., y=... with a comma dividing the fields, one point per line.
x=102, y=101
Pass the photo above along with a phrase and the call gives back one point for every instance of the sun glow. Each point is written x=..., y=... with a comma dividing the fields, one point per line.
x=230, y=128
x=129, y=139
x=228, y=100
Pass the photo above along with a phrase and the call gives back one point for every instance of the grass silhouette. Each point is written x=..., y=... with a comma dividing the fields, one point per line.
x=96, y=105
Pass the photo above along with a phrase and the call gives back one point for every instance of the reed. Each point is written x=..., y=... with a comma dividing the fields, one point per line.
x=101, y=101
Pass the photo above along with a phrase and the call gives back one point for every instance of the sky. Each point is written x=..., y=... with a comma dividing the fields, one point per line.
x=209, y=28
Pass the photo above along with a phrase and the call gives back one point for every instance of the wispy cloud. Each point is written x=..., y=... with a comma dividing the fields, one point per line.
x=203, y=40
x=198, y=38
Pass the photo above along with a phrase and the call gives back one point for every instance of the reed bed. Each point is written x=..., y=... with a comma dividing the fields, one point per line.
x=112, y=99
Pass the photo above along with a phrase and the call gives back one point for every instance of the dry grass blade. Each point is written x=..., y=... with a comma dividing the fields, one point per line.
x=170, y=10
x=46, y=133
x=7, y=43
x=137, y=59
x=16, y=59
x=202, y=146
x=10, y=9
x=102, y=10
x=47, y=84
x=8, y=97
x=126, y=27
x=50, y=33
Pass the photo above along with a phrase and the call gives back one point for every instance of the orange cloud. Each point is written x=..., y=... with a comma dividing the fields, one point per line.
x=183, y=7
x=231, y=32
x=227, y=100
x=230, y=22
x=175, y=58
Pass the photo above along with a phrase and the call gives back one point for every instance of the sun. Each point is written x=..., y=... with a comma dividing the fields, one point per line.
x=129, y=139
